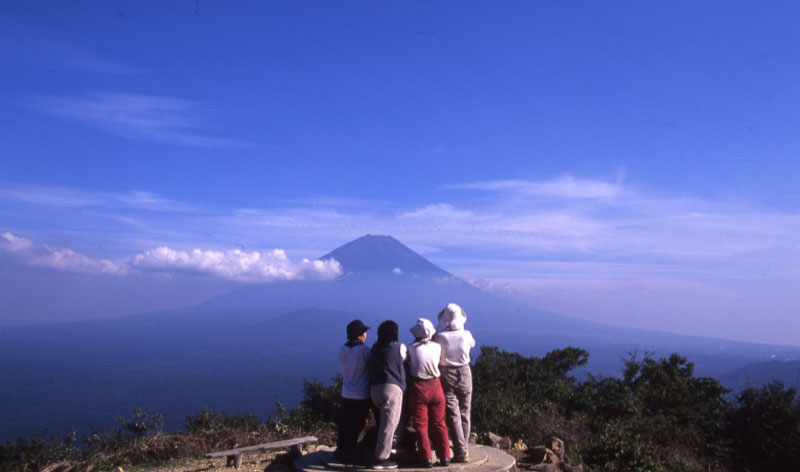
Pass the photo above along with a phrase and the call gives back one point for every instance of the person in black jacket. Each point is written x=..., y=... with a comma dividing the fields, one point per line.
x=387, y=379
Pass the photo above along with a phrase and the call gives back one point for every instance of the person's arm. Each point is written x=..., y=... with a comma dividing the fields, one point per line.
x=471, y=340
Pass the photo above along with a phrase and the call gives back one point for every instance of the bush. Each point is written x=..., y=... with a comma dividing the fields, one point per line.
x=206, y=422
x=36, y=453
x=141, y=422
x=765, y=429
x=514, y=395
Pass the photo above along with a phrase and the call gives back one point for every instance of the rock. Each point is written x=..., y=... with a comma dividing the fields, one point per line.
x=57, y=467
x=543, y=455
x=557, y=446
x=520, y=446
x=572, y=468
x=505, y=443
x=473, y=438
x=493, y=439
x=545, y=467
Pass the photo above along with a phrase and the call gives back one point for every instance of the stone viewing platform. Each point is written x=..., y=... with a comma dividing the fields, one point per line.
x=481, y=459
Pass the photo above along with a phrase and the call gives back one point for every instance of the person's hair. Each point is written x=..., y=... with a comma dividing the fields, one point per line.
x=387, y=332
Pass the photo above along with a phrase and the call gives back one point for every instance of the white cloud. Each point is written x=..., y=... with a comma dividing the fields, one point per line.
x=440, y=212
x=565, y=186
x=54, y=257
x=11, y=243
x=155, y=118
x=71, y=261
x=236, y=264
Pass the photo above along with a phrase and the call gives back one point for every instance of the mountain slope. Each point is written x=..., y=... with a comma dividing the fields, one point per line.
x=383, y=255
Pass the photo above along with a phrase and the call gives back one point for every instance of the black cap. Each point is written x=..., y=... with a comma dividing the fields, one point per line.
x=355, y=329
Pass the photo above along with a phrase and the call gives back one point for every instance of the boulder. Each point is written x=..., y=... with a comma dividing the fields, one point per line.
x=492, y=439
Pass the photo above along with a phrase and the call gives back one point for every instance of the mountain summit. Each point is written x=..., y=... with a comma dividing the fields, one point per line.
x=383, y=255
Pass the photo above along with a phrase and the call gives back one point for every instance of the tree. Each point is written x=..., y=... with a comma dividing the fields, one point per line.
x=765, y=428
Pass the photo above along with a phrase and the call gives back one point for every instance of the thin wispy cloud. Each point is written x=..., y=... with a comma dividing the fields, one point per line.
x=55, y=196
x=31, y=45
x=161, y=119
x=86, y=61
x=565, y=186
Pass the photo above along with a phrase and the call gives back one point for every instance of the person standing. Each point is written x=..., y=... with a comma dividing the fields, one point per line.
x=425, y=396
x=456, y=343
x=353, y=361
x=387, y=379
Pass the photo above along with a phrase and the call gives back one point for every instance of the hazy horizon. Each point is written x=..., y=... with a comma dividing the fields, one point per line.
x=627, y=163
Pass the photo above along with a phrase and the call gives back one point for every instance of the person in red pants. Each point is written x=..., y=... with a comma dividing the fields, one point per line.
x=425, y=395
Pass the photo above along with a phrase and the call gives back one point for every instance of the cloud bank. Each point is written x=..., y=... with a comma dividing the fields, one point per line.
x=237, y=265
x=58, y=258
x=234, y=265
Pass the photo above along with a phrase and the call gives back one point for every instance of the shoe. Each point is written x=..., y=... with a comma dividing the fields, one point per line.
x=428, y=464
x=461, y=459
x=444, y=462
x=382, y=465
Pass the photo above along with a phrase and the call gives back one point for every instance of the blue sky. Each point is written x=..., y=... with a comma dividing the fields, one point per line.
x=627, y=162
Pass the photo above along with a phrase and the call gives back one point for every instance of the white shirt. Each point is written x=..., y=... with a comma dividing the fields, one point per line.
x=355, y=376
x=455, y=347
x=424, y=360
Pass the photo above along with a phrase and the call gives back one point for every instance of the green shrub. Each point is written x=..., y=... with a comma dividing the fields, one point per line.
x=206, y=422
x=515, y=395
x=34, y=454
x=141, y=422
x=765, y=429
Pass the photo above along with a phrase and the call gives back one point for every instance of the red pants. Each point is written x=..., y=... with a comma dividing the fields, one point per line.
x=426, y=403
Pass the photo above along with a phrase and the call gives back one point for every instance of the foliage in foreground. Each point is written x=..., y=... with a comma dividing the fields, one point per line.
x=656, y=417
x=140, y=440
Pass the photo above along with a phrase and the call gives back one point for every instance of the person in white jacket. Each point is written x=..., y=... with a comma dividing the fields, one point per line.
x=456, y=377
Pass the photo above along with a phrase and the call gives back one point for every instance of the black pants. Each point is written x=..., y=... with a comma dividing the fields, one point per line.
x=352, y=417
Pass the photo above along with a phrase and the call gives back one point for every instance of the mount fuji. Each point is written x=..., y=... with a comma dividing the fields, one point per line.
x=243, y=350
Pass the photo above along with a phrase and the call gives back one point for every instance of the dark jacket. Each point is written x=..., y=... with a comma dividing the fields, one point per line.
x=386, y=365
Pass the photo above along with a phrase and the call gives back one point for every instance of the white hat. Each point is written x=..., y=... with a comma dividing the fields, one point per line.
x=423, y=329
x=452, y=318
